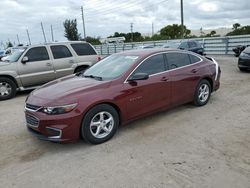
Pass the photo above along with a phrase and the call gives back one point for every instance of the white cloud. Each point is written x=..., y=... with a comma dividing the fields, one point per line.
x=104, y=17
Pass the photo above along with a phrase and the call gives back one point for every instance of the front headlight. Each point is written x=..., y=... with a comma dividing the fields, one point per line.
x=59, y=109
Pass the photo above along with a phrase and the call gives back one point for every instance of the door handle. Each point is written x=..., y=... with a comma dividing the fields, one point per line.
x=194, y=71
x=48, y=64
x=164, y=79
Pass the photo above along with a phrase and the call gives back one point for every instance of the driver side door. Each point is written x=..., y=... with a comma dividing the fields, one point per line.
x=38, y=69
x=154, y=93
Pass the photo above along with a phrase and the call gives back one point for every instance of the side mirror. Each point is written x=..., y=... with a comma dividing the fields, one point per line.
x=182, y=48
x=25, y=59
x=139, y=76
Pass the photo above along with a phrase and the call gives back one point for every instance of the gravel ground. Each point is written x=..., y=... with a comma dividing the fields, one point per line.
x=184, y=147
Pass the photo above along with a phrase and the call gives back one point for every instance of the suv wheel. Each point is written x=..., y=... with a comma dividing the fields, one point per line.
x=7, y=89
x=100, y=124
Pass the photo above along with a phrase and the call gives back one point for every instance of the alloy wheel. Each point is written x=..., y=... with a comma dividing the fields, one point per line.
x=101, y=124
x=5, y=89
x=204, y=92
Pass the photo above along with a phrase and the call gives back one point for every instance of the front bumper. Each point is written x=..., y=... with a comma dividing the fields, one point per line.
x=56, y=128
x=244, y=63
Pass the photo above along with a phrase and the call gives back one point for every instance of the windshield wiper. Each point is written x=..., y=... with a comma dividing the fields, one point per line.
x=92, y=76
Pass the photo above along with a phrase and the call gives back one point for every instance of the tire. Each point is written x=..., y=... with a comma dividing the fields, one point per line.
x=7, y=88
x=81, y=69
x=242, y=69
x=103, y=116
x=205, y=88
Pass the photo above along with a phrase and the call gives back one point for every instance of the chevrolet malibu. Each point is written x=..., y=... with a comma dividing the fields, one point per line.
x=119, y=89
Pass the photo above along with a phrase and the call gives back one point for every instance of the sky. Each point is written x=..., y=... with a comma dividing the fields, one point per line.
x=104, y=17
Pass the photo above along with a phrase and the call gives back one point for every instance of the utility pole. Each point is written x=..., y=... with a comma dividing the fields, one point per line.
x=152, y=28
x=43, y=33
x=83, y=24
x=182, y=20
x=52, y=35
x=131, y=28
x=18, y=39
x=28, y=36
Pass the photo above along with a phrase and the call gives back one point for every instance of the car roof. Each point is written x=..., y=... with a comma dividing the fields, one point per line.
x=148, y=51
x=57, y=43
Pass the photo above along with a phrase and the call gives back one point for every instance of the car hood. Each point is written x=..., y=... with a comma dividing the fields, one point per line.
x=4, y=63
x=65, y=90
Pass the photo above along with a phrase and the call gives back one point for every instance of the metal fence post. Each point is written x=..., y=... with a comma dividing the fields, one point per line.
x=101, y=49
x=115, y=47
x=226, y=41
x=107, y=49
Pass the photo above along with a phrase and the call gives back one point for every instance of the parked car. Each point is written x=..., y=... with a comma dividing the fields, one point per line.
x=244, y=60
x=32, y=66
x=9, y=51
x=145, y=47
x=238, y=49
x=2, y=54
x=118, y=89
x=190, y=45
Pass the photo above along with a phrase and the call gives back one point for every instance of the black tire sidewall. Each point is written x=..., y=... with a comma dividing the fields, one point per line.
x=197, y=101
x=13, y=88
x=85, y=128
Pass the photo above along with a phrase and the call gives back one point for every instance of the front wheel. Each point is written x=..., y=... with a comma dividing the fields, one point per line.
x=100, y=124
x=7, y=88
x=202, y=93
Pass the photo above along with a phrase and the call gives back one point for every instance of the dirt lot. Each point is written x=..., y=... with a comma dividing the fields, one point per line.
x=183, y=147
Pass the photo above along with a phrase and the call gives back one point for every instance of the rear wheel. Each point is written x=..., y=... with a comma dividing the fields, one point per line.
x=100, y=124
x=81, y=69
x=202, y=93
x=7, y=88
x=242, y=69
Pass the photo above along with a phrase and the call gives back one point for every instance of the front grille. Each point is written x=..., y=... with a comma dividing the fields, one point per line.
x=32, y=107
x=32, y=121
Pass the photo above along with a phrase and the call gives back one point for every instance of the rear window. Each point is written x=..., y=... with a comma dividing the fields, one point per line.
x=60, y=51
x=176, y=60
x=83, y=49
x=194, y=59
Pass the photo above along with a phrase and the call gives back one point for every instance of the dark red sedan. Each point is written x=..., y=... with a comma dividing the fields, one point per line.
x=120, y=88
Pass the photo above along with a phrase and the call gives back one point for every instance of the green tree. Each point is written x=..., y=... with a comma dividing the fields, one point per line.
x=93, y=40
x=245, y=30
x=174, y=31
x=212, y=33
x=70, y=30
x=236, y=26
x=9, y=44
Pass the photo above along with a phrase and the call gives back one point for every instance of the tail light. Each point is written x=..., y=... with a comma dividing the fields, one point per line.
x=99, y=58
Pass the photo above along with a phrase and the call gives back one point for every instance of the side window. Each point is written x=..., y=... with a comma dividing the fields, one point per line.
x=60, y=51
x=194, y=59
x=192, y=44
x=37, y=54
x=176, y=60
x=152, y=65
x=83, y=49
x=184, y=45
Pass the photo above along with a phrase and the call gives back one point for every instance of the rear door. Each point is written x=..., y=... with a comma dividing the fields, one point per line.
x=145, y=96
x=64, y=62
x=184, y=76
x=39, y=68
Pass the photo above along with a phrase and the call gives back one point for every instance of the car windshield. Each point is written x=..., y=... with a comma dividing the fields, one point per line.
x=16, y=55
x=171, y=45
x=111, y=67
